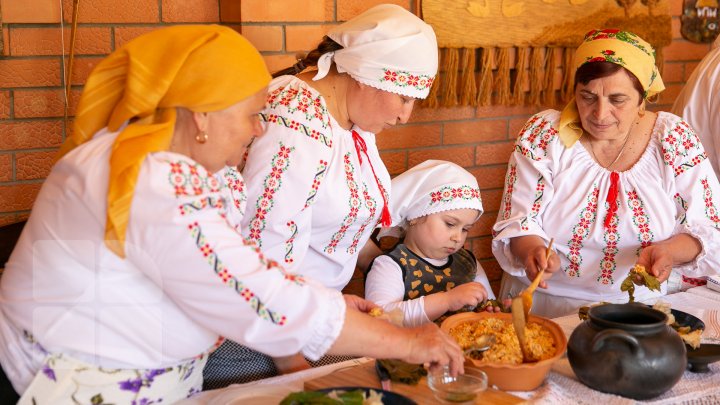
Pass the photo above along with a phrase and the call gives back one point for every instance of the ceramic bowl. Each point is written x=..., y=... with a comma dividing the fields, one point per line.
x=461, y=389
x=512, y=377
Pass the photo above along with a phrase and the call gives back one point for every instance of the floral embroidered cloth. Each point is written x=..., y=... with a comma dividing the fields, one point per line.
x=313, y=203
x=189, y=276
x=551, y=191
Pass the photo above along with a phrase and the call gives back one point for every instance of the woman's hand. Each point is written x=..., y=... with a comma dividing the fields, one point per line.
x=660, y=257
x=530, y=250
x=291, y=364
x=429, y=345
x=357, y=303
x=472, y=293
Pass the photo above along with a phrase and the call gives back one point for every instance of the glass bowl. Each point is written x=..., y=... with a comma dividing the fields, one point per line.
x=461, y=389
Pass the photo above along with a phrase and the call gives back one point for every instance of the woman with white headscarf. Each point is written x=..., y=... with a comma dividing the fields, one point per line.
x=319, y=186
x=132, y=265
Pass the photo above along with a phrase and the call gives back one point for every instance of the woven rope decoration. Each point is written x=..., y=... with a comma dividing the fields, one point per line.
x=515, y=52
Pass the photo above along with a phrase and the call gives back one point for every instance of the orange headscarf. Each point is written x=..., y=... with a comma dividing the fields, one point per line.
x=199, y=67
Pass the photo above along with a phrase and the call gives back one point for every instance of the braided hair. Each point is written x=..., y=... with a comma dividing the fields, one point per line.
x=311, y=59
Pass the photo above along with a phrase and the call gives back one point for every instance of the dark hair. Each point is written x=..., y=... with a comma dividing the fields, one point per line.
x=597, y=70
x=311, y=59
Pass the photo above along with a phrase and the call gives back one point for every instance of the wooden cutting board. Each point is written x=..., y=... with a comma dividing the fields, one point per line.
x=364, y=376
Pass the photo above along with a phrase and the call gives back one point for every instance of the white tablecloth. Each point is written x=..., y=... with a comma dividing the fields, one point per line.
x=561, y=386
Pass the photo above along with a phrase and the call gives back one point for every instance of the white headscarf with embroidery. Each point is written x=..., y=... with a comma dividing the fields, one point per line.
x=386, y=47
x=431, y=187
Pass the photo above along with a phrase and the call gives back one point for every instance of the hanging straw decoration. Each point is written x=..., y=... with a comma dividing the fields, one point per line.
x=495, y=55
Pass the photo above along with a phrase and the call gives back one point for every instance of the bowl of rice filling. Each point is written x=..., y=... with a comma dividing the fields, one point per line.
x=503, y=361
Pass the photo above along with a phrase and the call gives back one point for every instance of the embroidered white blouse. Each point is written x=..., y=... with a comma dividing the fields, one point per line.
x=384, y=286
x=551, y=191
x=313, y=203
x=188, y=278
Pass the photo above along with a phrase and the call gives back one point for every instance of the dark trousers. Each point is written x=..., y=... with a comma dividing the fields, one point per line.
x=7, y=392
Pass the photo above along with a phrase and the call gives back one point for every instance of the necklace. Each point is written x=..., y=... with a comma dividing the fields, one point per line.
x=622, y=149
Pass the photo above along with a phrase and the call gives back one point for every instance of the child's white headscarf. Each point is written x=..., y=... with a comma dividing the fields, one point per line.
x=431, y=187
x=386, y=47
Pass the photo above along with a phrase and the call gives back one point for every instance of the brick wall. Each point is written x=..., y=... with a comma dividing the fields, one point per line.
x=32, y=104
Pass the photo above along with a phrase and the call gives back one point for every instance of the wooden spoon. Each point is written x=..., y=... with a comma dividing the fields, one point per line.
x=527, y=293
x=518, y=318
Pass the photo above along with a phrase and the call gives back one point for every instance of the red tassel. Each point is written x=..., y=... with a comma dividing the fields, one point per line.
x=385, y=220
x=612, y=198
x=360, y=146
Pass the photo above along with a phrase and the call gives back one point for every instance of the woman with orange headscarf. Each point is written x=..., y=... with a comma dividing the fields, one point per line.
x=132, y=266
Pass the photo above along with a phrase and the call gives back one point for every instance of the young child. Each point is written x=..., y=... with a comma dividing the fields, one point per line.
x=430, y=273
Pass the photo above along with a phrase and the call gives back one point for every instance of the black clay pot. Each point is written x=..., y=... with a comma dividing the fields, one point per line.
x=628, y=350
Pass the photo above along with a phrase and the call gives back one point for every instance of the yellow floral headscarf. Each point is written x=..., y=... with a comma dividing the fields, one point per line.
x=202, y=68
x=621, y=48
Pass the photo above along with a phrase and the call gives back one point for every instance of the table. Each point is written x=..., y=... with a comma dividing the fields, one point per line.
x=560, y=387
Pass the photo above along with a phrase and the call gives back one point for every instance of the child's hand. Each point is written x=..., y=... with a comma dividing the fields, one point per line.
x=471, y=294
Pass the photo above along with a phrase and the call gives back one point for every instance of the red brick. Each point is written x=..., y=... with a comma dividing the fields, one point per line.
x=304, y=37
x=689, y=68
x=680, y=50
x=33, y=165
x=4, y=105
x=30, y=11
x=278, y=62
x=230, y=11
x=349, y=9
x=82, y=67
x=474, y=131
x=29, y=72
x=491, y=199
x=481, y=248
x=409, y=136
x=490, y=177
x=483, y=227
x=265, y=38
x=463, y=156
x=29, y=135
x=287, y=10
x=493, y=153
x=114, y=11
x=670, y=94
x=517, y=124
x=395, y=162
x=494, y=273
x=675, y=28
x=39, y=103
x=190, y=11
x=6, y=168
x=18, y=197
x=47, y=41
x=5, y=40
x=125, y=34
x=497, y=111
x=424, y=114
x=673, y=72
x=675, y=7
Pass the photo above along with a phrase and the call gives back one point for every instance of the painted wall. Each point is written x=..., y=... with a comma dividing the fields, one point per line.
x=32, y=105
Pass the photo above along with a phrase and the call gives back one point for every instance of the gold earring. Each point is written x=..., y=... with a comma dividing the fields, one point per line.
x=202, y=137
x=641, y=111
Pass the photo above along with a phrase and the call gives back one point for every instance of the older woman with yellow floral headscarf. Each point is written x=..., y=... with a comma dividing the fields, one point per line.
x=132, y=267
x=614, y=184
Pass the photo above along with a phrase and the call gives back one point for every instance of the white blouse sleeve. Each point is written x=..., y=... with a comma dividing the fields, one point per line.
x=287, y=166
x=185, y=243
x=528, y=186
x=696, y=195
x=384, y=286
